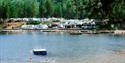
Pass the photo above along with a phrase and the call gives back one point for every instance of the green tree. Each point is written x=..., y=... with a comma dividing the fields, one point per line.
x=42, y=8
x=48, y=6
x=35, y=8
x=75, y=9
x=6, y=7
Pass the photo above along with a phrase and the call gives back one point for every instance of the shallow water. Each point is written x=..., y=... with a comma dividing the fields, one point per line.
x=61, y=47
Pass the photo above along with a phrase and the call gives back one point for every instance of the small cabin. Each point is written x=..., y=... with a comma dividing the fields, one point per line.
x=39, y=51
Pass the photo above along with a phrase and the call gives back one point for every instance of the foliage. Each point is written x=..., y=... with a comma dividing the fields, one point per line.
x=33, y=23
x=46, y=22
x=75, y=9
x=1, y=24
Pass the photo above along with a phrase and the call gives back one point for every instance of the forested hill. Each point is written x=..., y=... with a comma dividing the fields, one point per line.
x=63, y=8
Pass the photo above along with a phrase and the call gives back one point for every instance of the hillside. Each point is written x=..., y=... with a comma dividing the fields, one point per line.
x=97, y=9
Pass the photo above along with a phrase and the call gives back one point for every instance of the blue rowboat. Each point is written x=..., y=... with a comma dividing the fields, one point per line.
x=39, y=51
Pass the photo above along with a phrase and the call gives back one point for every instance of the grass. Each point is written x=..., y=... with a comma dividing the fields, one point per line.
x=1, y=26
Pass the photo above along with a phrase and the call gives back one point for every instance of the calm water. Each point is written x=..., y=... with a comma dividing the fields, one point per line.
x=61, y=47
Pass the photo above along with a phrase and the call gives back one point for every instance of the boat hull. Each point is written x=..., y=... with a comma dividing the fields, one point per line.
x=40, y=52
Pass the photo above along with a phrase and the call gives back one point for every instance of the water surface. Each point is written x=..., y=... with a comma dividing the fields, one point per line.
x=61, y=47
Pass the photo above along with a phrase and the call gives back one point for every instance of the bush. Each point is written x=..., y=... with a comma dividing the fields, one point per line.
x=33, y=23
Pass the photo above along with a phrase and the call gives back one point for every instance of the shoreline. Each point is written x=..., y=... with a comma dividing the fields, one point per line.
x=74, y=29
x=115, y=32
x=59, y=30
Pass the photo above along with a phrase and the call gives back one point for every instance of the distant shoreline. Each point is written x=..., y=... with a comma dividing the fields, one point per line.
x=116, y=32
x=59, y=30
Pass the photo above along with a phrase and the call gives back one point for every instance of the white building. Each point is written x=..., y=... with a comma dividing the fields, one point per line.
x=34, y=26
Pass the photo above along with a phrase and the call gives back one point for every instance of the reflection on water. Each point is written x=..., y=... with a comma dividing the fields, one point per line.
x=61, y=47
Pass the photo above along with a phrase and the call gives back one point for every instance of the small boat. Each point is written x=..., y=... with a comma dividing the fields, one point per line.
x=39, y=51
x=75, y=33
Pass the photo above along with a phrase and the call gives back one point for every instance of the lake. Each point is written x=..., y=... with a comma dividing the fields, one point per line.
x=62, y=48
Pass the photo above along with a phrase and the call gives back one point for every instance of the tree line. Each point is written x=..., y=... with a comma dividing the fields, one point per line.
x=69, y=9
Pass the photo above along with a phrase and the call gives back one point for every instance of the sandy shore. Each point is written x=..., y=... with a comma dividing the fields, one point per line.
x=115, y=57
